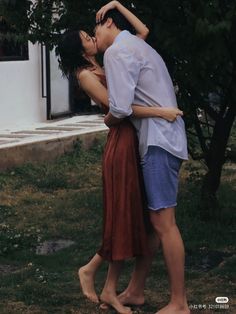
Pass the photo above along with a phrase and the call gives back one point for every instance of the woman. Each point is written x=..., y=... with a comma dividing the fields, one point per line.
x=124, y=233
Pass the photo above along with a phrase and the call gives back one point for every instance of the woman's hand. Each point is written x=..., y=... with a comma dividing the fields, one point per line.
x=110, y=120
x=110, y=5
x=141, y=29
x=170, y=114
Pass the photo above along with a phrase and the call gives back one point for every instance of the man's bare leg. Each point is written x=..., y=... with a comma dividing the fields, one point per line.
x=165, y=226
x=108, y=295
x=134, y=293
x=87, y=276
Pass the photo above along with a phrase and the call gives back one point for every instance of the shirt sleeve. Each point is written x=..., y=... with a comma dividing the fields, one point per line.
x=122, y=72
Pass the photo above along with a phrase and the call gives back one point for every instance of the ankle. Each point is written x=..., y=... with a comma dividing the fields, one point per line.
x=135, y=294
x=179, y=305
x=127, y=297
x=87, y=269
x=107, y=291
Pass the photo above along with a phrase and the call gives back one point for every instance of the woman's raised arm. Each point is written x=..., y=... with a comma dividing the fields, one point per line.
x=140, y=28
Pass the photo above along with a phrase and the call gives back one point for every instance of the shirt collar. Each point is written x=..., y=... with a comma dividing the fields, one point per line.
x=121, y=35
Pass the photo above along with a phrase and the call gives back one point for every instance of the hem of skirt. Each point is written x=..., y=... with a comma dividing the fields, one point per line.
x=162, y=207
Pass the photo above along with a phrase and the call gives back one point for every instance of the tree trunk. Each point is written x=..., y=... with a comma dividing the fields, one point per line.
x=215, y=159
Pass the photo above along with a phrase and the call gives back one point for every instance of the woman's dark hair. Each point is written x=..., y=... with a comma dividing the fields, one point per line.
x=70, y=52
x=119, y=20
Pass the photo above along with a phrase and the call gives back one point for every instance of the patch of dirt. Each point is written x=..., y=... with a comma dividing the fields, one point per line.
x=8, y=269
x=21, y=308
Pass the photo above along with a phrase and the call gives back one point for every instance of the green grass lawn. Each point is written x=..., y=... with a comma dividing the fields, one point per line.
x=63, y=200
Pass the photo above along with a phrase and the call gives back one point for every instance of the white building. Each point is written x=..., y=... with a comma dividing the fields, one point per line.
x=31, y=87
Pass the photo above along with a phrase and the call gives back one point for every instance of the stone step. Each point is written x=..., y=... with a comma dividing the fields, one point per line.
x=46, y=141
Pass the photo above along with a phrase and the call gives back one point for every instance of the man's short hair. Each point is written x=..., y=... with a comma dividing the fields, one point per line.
x=118, y=19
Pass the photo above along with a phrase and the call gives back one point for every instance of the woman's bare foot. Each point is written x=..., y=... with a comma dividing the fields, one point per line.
x=86, y=279
x=112, y=300
x=173, y=309
x=127, y=298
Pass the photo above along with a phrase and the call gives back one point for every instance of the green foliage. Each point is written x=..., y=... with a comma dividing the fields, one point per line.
x=48, y=177
x=44, y=21
x=14, y=21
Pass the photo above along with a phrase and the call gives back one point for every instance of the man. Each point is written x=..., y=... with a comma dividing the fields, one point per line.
x=137, y=74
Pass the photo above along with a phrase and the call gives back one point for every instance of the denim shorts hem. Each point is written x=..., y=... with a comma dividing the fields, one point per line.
x=162, y=207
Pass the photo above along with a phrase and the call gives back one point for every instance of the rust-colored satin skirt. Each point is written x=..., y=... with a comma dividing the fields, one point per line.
x=124, y=234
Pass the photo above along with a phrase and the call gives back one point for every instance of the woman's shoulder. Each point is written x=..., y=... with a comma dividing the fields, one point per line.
x=84, y=74
x=90, y=74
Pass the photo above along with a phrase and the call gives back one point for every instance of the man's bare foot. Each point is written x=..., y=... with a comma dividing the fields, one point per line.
x=173, y=309
x=86, y=279
x=112, y=300
x=104, y=306
x=127, y=298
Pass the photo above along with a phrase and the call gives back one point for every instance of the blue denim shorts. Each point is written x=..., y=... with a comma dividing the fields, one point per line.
x=160, y=173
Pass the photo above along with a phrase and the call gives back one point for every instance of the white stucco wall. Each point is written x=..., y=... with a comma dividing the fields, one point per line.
x=21, y=102
x=59, y=87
